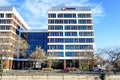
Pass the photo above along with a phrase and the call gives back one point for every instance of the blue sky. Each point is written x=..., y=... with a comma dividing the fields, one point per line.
x=106, y=14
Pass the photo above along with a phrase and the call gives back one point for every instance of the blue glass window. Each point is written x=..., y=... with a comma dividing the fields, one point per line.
x=60, y=15
x=58, y=27
x=56, y=33
x=81, y=15
x=70, y=33
x=89, y=40
x=53, y=15
x=59, y=47
x=74, y=33
x=85, y=33
x=59, y=40
x=52, y=21
x=65, y=21
x=82, y=40
x=67, y=33
x=71, y=54
x=59, y=21
x=86, y=47
x=67, y=27
x=72, y=22
x=89, y=27
x=1, y=15
x=69, y=40
x=84, y=15
x=60, y=54
x=73, y=27
x=70, y=47
x=82, y=27
x=51, y=27
x=51, y=40
x=84, y=21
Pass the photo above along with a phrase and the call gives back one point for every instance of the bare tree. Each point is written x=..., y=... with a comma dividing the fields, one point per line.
x=112, y=55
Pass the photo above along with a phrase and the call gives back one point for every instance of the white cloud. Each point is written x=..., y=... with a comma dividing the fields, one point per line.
x=35, y=11
x=4, y=3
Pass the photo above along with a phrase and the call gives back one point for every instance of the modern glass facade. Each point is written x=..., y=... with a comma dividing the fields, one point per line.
x=36, y=38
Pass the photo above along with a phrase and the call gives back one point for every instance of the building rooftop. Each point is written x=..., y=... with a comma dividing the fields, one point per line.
x=65, y=8
x=10, y=9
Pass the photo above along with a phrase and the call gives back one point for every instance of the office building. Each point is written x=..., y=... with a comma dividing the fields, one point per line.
x=10, y=24
x=70, y=34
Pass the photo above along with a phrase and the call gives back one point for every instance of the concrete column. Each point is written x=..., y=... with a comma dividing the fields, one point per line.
x=64, y=63
x=6, y=65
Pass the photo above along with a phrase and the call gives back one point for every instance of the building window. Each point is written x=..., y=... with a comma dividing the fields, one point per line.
x=70, y=33
x=82, y=40
x=74, y=33
x=60, y=54
x=84, y=21
x=85, y=47
x=67, y=27
x=67, y=33
x=89, y=40
x=4, y=21
x=69, y=15
x=85, y=34
x=71, y=47
x=52, y=15
x=65, y=21
x=60, y=15
x=81, y=27
x=71, y=40
x=58, y=47
x=72, y=22
x=51, y=40
x=84, y=15
x=71, y=54
x=51, y=27
x=56, y=33
x=59, y=21
x=52, y=21
x=73, y=27
x=58, y=27
x=8, y=15
x=59, y=40
x=1, y=15
x=66, y=15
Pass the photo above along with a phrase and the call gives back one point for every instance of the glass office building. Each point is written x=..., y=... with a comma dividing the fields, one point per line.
x=35, y=38
x=70, y=33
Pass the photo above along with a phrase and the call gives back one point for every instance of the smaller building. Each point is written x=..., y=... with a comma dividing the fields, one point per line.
x=35, y=38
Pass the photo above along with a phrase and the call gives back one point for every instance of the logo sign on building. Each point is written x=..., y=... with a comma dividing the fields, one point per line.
x=64, y=8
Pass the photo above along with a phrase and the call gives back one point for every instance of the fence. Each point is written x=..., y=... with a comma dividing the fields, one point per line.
x=49, y=77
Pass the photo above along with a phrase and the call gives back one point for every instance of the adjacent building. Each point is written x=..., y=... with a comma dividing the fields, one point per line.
x=70, y=34
x=10, y=24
